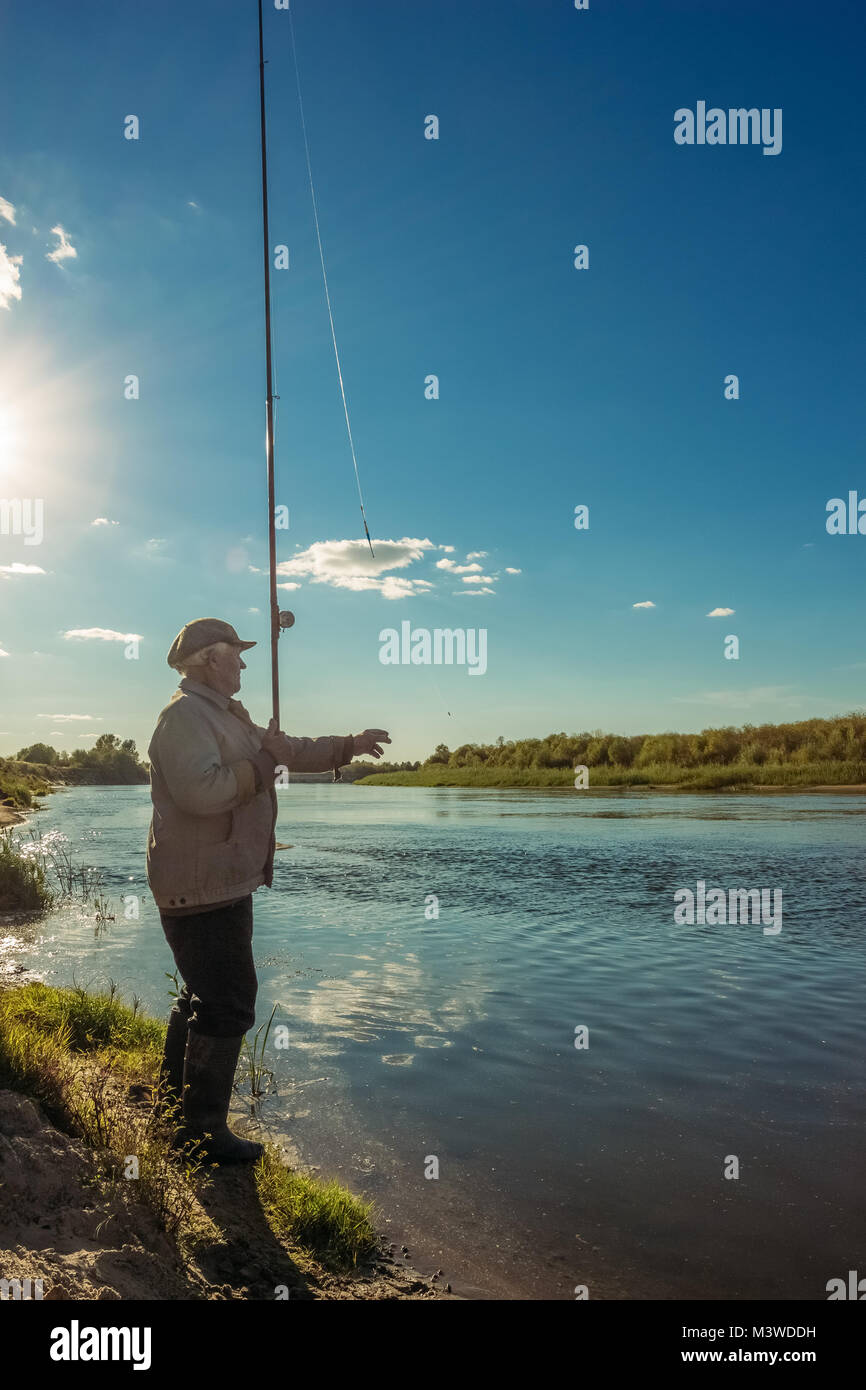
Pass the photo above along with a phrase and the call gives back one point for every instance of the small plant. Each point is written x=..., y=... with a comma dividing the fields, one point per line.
x=261, y=1078
x=103, y=916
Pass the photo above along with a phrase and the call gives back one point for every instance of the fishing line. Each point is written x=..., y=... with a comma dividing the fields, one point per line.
x=325, y=279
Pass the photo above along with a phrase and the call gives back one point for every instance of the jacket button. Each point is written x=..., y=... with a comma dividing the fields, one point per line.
x=183, y=900
x=171, y=902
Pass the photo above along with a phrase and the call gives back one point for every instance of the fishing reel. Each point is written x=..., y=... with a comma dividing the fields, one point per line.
x=287, y=619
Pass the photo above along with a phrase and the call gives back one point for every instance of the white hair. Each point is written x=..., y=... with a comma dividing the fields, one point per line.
x=200, y=658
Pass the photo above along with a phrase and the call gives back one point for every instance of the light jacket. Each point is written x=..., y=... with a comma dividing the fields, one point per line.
x=211, y=837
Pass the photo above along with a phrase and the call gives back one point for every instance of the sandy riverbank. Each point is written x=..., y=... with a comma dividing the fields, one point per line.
x=59, y=1225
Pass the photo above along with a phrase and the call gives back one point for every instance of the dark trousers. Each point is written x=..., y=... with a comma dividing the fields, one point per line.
x=213, y=951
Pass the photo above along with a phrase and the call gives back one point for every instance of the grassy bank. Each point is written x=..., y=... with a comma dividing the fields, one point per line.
x=739, y=776
x=23, y=882
x=809, y=753
x=75, y=1054
x=21, y=785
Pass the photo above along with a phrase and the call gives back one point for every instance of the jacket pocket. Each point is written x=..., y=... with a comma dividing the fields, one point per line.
x=220, y=868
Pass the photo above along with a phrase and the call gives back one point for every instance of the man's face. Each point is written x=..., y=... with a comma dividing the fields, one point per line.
x=225, y=670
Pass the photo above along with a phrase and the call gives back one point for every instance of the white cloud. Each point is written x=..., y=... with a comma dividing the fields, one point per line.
x=64, y=250
x=648, y=603
x=474, y=592
x=477, y=578
x=102, y=634
x=7, y=211
x=103, y=521
x=65, y=718
x=18, y=568
x=257, y=610
x=477, y=555
x=9, y=275
x=286, y=586
x=721, y=613
x=396, y=586
x=3, y=653
x=348, y=564
x=509, y=570
x=450, y=566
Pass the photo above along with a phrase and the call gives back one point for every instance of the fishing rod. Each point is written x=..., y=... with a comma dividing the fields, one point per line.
x=269, y=376
x=280, y=621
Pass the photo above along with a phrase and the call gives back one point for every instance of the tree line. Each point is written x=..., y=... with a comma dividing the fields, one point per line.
x=110, y=761
x=840, y=739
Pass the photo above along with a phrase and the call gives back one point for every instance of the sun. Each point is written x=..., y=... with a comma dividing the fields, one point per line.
x=50, y=426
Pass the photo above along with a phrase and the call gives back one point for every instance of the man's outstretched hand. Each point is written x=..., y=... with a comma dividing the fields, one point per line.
x=370, y=741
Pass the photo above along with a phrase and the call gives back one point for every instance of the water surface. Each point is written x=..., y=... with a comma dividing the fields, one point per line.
x=452, y=1037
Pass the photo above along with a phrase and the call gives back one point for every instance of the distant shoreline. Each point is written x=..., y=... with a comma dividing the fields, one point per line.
x=623, y=789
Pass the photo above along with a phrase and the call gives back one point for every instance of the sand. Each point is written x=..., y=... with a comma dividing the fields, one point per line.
x=88, y=1245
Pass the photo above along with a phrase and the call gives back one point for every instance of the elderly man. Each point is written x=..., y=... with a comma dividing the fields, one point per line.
x=211, y=844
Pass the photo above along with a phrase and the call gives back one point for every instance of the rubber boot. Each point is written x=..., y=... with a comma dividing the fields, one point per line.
x=171, y=1068
x=208, y=1075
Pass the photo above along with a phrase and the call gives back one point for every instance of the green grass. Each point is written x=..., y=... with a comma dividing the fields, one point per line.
x=23, y=882
x=92, y=1023
x=321, y=1217
x=705, y=778
x=75, y=1052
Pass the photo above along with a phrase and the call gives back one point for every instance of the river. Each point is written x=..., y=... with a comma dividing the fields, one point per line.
x=419, y=1042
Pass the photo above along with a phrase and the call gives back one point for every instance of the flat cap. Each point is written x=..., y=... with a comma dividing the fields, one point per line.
x=202, y=632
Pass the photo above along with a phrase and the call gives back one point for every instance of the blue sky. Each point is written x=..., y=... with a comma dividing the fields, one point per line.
x=455, y=257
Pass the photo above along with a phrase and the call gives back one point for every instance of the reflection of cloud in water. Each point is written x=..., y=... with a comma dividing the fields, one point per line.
x=369, y=1006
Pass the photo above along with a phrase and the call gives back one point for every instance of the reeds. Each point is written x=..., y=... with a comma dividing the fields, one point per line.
x=23, y=881
x=47, y=860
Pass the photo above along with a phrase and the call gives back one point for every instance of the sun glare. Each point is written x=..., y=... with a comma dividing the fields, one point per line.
x=50, y=428
x=9, y=436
